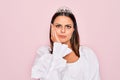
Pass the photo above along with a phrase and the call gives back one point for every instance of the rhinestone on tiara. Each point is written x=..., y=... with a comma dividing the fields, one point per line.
x=64, y=10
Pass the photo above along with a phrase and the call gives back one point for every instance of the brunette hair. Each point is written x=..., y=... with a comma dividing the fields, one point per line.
x=74, y=41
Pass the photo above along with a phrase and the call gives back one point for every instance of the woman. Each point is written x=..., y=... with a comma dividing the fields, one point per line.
x=65, y=59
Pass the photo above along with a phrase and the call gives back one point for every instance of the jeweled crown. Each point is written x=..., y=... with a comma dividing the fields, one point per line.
x=64, y=10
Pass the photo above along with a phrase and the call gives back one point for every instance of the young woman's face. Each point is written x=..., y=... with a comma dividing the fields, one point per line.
x=64, y=28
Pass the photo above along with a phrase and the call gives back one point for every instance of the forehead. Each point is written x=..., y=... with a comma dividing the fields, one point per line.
x=63, y=20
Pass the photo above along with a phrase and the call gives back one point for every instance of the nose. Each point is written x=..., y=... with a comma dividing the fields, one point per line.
x=63, y=30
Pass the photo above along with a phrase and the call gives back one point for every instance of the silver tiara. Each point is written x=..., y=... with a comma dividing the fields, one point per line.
x=64, y=10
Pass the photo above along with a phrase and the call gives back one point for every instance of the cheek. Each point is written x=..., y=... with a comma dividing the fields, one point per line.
x=58, y=31
x=69, y=34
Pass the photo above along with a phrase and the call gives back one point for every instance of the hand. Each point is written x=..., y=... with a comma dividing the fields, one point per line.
x=59, y=49
x=54, y=36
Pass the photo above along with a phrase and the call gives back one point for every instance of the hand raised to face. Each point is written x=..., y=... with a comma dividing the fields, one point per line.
x=54, y=36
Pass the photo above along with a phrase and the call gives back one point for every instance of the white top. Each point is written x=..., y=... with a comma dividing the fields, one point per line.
x=51, y=67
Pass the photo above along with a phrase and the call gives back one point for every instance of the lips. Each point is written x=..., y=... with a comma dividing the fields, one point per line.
x=62, y=36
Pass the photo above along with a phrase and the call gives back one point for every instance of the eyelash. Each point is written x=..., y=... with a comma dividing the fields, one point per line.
x=57, y=26
x=67, y=26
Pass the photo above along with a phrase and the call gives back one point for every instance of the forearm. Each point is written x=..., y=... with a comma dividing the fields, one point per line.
x=51, y=64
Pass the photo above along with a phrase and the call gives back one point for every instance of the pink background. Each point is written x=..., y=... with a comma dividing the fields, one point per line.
x=24, y=26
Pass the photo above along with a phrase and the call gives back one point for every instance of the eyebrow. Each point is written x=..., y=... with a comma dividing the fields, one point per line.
x=60, y=24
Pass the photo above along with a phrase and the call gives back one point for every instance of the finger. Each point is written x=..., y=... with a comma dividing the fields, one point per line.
x=52, y=31
x=56, y=36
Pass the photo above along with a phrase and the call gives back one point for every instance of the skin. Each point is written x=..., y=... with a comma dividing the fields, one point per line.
x=61, y=31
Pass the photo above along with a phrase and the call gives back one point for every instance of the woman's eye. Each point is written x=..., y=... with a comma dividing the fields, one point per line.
x=68, y=27
x=58, y=26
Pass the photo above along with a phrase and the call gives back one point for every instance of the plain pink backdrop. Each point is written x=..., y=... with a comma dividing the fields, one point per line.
x=24, y=27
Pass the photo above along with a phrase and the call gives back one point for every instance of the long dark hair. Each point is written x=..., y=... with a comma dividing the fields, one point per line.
x=74, y=41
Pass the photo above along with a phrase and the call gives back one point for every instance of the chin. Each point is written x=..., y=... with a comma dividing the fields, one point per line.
x=64, y=42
